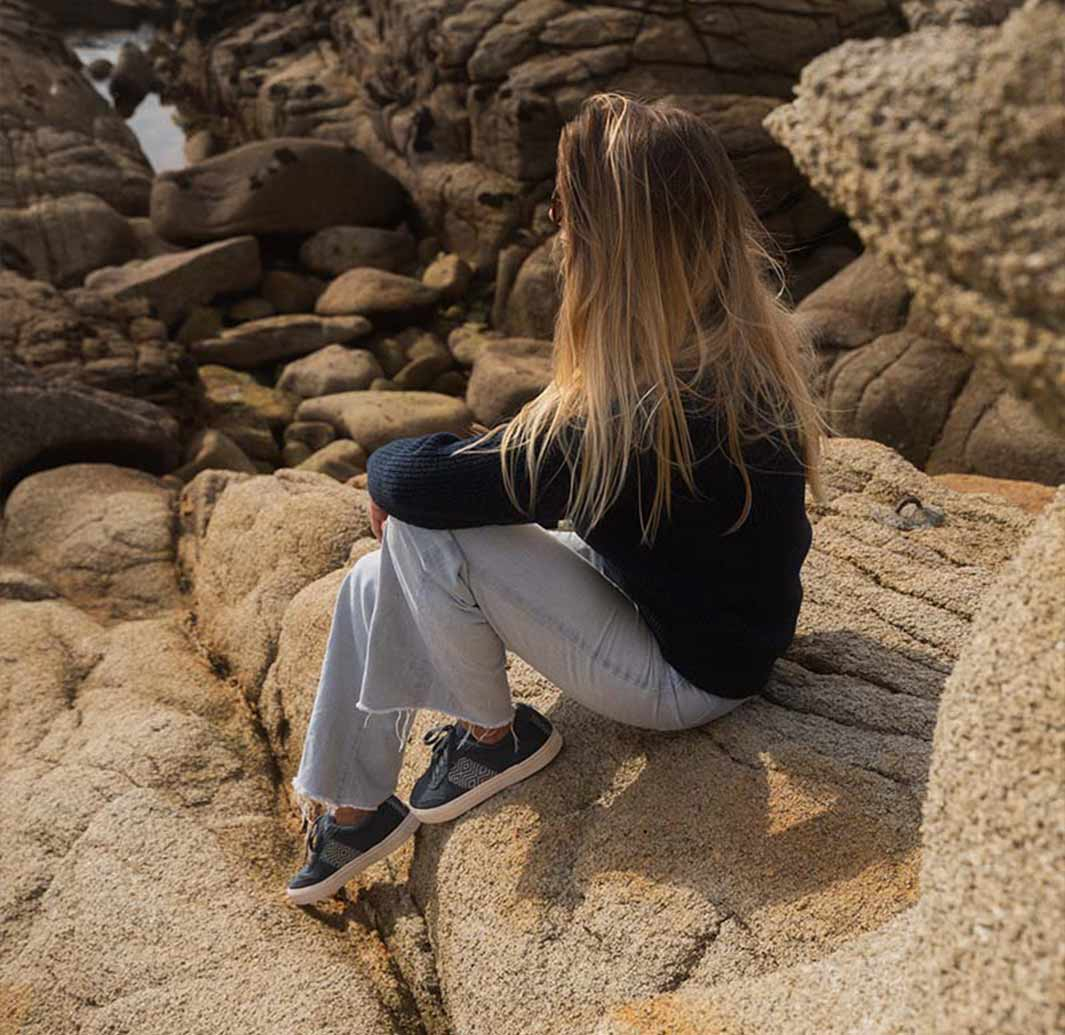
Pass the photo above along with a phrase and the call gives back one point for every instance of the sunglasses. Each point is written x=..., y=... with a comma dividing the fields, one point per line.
x=554, y=213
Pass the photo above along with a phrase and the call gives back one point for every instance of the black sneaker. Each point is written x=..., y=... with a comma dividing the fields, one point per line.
x=464, y=773
x=335, y=854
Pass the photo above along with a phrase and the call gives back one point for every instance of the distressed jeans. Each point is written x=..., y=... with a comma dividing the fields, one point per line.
x=425, y=622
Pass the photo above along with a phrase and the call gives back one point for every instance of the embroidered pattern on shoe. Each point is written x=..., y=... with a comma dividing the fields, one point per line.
x=468, y=773
x=336, y=853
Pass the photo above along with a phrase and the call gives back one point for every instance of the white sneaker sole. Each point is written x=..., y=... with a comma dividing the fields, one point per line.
x=464, y=802
x=331, y=885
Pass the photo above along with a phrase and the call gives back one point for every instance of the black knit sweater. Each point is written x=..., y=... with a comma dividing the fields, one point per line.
x=722, y=608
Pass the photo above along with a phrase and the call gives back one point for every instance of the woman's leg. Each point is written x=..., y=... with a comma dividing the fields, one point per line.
x=542, y=595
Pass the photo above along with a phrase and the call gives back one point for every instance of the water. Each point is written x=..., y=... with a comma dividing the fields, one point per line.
x=153, y=122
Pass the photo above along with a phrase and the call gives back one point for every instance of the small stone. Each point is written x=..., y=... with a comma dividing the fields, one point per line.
x=450, y=275
x=294, y=453
x=341, y=460
x=328, y=371
x=251, y=309
x=203, y=322
x=291, y=292
x=421, y=372
x=338, y=249
x=371, y=292
x=451, y=382
x=314, y=434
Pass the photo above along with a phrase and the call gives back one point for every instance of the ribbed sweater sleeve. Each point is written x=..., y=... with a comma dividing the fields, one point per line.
x=422, y=481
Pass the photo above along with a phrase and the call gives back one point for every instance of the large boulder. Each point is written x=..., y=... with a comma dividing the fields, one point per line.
x=101, y=535
x=283, y=186
x=374, y=418
x=143, y=860
x=991, y=884
x=50, y=422
x=814, y=845
x=70, y=168
x=176, y=284
x=945, y=147
x=258, y=342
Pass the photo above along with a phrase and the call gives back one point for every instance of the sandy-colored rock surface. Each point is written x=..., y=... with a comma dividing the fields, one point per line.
x=805, y=806
x=981, y=951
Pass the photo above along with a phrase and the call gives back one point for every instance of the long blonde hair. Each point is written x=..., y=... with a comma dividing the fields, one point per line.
x=666, y=304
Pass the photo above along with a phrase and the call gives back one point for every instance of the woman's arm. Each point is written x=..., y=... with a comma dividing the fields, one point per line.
x=421, y=481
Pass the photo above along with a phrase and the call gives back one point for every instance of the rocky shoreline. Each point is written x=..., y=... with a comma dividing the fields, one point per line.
x=195, y=366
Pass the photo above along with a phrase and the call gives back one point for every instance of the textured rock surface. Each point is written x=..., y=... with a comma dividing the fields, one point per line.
x=888, y=374
x=95, y=339
x=814, y=842
x=45, y=422
x=273, y=187
x=955, y=128
x=70, y=168
x=101, y=535
x=142, y=855
x=981, y=951
x=330, y=370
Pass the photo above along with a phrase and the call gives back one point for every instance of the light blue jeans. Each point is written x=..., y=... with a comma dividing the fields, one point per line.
x=425, y=621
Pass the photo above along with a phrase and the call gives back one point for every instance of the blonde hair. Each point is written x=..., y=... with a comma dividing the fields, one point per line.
x=665, y=304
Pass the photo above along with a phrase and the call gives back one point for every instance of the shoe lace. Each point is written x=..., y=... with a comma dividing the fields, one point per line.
x=441, y=737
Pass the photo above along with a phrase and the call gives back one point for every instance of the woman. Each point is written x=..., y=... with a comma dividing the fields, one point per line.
x=676, y=435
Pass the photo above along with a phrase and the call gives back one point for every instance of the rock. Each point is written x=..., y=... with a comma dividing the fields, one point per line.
x=329, y=371
x=370, y=292
x=941, y=411
x=467, y=342
x=949, y=963
x=1029, y=496
x=46, y=422
x=70, y=169
x=450, y=275
x=422, y=371
x=337, y=249
x=748, y=892
x=211, y=449
x=865, y=300
x=340, y=460
x=21, y=585
x=100, y=69
x=203, y=322
x=175, y=284
x=281, y=186
x=383, y=384
x=809, y=272
x=234, y=396
x=116, y=738
x=253, y=436
x=507, y=374
x=63, y=239
x=532, y=305
x=104, y=14
x=451, y=382
x=149, y=245
x=958, y=122
x=277, y=338
x=133, y=79
x=248, y=309
x=84, y=336
x=313, y=433
x=374, y=418
x=294, y=453
x=199, y=146
x=291, y=292
x=101, y=535
x=240, y=594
